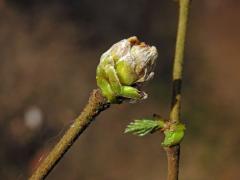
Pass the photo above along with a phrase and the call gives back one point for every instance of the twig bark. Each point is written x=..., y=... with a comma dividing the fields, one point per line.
x=173, y=153
x=96, y=104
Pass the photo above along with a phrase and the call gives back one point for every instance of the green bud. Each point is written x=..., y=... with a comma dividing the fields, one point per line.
x=174, y=135
x=127, y=63
x=136, y=63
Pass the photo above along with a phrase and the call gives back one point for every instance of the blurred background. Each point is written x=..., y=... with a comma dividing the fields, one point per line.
x=49, y=51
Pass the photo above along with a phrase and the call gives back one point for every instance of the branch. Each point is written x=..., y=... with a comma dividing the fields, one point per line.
x=173, y=152
x=96, y=104
x=112, y=82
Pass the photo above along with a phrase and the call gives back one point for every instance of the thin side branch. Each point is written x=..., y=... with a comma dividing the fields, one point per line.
x=173, y=153
x=96, y=104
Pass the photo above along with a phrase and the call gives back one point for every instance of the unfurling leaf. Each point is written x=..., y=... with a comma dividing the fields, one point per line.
x=144, y=126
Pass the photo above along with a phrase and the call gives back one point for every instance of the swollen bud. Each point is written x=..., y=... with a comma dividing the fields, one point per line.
x=174, y=135
x=124, y=67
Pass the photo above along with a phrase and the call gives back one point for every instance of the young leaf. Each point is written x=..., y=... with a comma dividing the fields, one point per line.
x=144, y=126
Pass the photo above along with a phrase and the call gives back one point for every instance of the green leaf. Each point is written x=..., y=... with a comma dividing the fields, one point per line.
x=144, y=126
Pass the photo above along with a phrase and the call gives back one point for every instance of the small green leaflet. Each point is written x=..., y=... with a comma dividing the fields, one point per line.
x=144, y=126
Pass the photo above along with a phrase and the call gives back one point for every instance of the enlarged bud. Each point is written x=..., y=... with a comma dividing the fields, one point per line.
x=174, y=135
x=127, y=63
x=134, y=60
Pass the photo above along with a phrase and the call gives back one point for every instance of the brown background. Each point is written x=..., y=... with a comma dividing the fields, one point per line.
x=49, y=51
